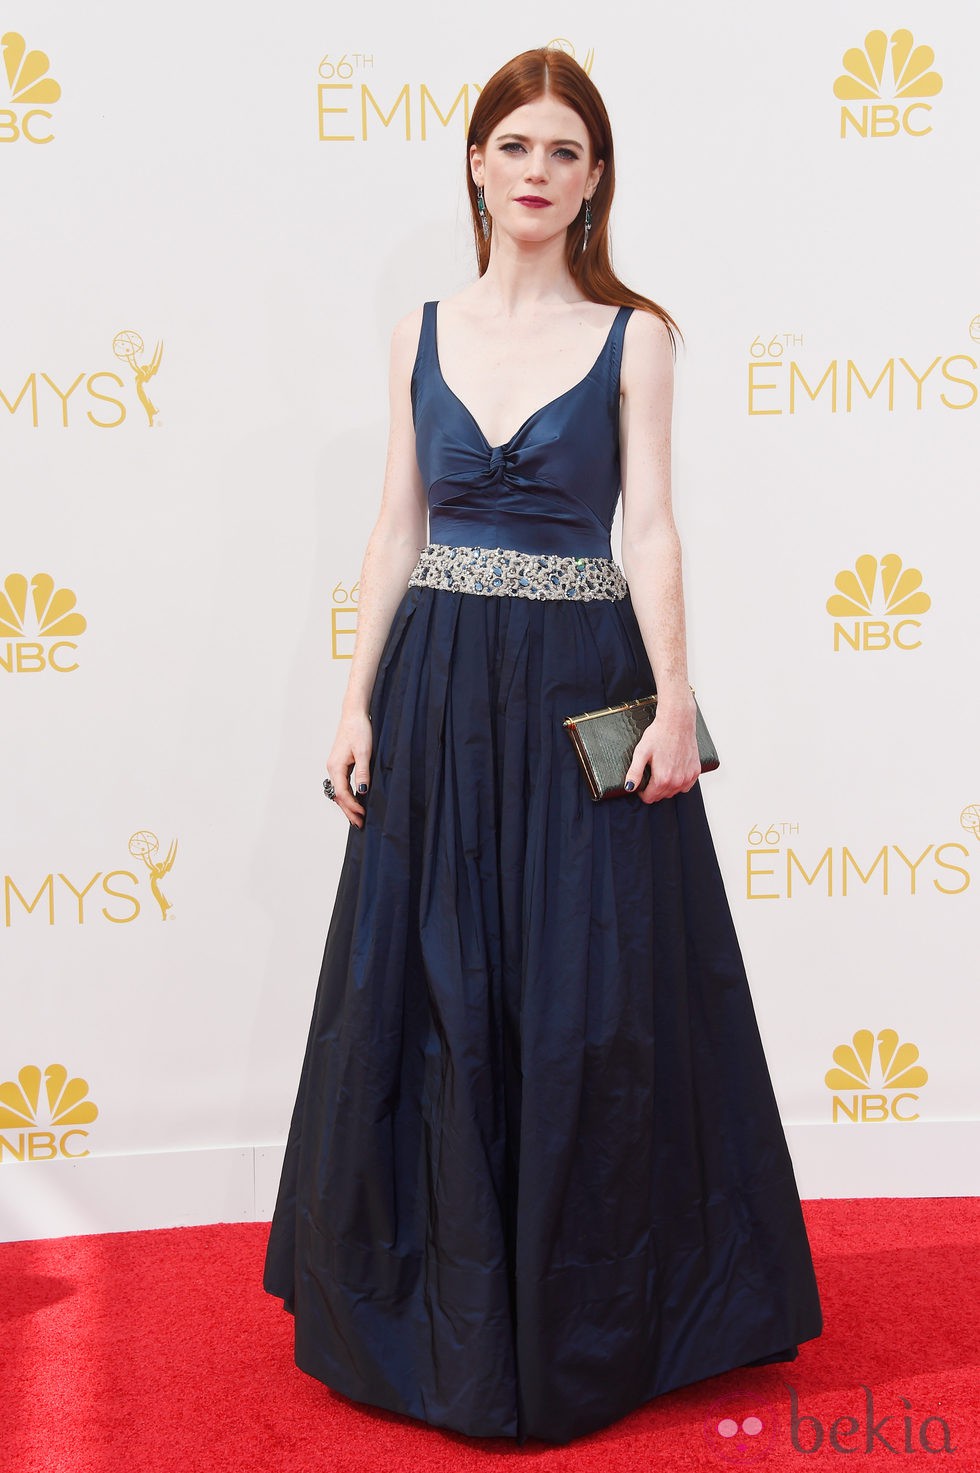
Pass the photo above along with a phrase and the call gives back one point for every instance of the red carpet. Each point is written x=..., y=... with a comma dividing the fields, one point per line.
x=144, y=1352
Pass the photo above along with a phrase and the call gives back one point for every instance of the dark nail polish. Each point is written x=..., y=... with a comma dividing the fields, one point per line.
x=630, y=786
x=362, y=787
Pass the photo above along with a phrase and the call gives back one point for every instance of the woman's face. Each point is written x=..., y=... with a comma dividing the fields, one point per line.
x=540, y=151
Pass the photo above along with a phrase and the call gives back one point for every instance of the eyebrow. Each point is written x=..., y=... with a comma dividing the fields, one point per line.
x=523, y=138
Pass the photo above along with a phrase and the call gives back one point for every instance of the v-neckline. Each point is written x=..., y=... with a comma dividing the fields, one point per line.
x=523, y=426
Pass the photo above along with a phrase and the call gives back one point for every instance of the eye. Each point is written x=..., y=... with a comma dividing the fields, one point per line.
x=565, y=153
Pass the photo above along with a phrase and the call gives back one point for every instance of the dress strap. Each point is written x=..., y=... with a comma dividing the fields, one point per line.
x=425, y=352
x=614, y=359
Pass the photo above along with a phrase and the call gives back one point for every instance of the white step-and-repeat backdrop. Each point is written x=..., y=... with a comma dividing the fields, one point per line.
x=210, y=226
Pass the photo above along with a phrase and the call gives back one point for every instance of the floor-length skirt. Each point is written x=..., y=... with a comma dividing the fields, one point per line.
x=535, y=1173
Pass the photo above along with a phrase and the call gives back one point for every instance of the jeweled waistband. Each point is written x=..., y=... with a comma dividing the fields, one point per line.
x=506, y=571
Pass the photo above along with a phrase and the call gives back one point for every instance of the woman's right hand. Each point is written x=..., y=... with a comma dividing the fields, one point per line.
x=397, y=538
x=350, y=762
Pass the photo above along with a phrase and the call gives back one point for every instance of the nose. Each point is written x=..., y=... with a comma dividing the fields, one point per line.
x=537, y=167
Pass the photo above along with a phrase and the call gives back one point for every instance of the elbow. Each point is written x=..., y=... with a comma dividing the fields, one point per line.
x=660, y=540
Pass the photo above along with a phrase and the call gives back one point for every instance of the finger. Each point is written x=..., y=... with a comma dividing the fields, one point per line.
x=633, y=781
x=352, y=810
x=656, y=790
x=345, y=800
x=351, y=805
x=361, y=776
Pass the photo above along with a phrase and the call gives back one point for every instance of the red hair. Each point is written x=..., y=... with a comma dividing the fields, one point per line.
x=546, y=71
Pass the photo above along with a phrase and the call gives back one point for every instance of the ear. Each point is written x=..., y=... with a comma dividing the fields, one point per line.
x=476, y=164
x=595, y=176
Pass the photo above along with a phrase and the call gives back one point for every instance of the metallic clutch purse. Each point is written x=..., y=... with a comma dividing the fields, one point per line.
x=604, y=741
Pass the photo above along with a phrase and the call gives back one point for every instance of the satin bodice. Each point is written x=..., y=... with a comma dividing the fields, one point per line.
x=552, y=487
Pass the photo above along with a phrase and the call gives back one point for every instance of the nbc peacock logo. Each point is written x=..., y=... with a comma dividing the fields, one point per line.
x=38, y=622
x=42, y=1128
x=875, y=605
x=875, y=1079
x=30, y=84
x=884, y=104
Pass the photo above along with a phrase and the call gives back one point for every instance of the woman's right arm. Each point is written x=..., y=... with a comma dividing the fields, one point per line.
x=393, y=548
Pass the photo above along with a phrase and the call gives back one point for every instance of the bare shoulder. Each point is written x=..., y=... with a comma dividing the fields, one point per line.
x=405, y=336
x=648, y=356
x=647, y=333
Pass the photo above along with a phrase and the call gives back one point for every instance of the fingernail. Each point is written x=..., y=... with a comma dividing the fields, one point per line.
x=630, y=786
x=362, y=787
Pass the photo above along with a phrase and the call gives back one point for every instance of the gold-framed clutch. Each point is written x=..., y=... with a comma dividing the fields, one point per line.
x=604, y=741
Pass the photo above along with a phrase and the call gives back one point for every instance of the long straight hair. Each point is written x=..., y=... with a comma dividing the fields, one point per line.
x=529, y=76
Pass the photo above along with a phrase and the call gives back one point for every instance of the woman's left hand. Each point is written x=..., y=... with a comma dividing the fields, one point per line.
x=669, y=748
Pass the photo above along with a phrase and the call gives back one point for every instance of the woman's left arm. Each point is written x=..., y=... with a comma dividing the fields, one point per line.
x=652, y=557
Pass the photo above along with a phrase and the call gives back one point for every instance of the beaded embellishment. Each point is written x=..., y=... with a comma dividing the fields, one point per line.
x=505, y=571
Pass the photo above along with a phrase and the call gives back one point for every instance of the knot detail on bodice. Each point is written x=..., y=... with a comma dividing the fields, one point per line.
x=551, y=488
x=494, y=466
x=501, y=458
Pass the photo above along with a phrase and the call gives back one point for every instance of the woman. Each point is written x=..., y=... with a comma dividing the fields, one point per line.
x=535, y=1173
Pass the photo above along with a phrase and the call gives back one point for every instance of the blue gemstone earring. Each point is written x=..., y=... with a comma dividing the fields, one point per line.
x=484, y=218
x=588, y=223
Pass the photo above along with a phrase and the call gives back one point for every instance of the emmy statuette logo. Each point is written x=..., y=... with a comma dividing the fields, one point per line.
x=145, y=845
x=128, y=345
x=112, y=895
x=65, y=399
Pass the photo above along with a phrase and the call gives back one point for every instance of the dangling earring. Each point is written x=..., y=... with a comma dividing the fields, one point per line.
x=588, y=223
x=484, y=218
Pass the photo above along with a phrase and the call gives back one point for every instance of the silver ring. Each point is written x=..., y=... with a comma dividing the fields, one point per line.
x=330, y=790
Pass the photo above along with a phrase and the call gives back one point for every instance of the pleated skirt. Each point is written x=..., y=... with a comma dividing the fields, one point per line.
x=535, y=1172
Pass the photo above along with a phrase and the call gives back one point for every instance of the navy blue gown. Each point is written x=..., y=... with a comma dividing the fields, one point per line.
x=535, y=1173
